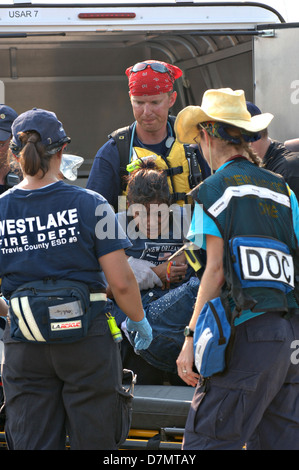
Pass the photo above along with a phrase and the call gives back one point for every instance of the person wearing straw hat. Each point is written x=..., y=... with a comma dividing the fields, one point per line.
x=62, y=372
x=247, y=218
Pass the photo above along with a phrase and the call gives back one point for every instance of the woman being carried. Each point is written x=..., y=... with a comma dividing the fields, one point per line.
x=168, y=289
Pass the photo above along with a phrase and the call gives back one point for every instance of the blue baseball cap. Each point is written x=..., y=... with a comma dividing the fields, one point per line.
x=253, y=109
x=44, y=122
x=7, y=117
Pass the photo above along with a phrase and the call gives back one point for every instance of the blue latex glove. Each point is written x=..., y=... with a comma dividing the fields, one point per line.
x=144, y=334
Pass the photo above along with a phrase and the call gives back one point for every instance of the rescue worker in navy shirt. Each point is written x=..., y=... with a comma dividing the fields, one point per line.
x=152, y=96
x=246, y=211
x=62, y=373
x=276, y=156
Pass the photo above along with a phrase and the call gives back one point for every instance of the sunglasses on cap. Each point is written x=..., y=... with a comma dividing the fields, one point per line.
x=156, y=66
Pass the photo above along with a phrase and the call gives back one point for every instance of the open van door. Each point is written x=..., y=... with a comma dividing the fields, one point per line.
x=276, y=78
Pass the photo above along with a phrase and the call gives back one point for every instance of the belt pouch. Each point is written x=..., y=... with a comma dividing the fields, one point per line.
x=211, y=336
x=51, y=311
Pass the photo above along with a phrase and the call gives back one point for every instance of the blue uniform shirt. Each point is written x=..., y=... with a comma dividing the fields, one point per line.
x=56, y=231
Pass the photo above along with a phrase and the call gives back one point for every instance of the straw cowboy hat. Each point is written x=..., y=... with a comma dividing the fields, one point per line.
x=222, y=105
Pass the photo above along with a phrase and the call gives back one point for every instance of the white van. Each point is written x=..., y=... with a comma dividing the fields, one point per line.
x=70, y=57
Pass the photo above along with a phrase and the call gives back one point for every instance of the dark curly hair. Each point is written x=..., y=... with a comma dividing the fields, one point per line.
x=147, y=184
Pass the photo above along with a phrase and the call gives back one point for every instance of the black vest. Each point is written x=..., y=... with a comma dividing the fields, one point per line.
x=252, y=209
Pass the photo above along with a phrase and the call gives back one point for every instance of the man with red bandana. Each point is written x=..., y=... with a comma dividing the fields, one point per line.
x=152, y=95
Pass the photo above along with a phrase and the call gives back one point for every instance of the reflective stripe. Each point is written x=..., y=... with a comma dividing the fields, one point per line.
x=96, y=296
x=201, y=345
x=16, y=310
x=246, y=190
x=30, y=320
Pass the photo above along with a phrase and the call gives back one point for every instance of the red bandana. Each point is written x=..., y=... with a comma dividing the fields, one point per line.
x=149, y=82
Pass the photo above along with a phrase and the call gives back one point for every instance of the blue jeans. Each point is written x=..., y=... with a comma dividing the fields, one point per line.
x=168, y=314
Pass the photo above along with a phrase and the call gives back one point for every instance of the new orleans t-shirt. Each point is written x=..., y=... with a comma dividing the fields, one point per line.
x=57, y=231
x=159, y=248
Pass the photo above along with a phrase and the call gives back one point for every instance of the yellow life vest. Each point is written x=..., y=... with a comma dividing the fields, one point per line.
x=177, y=167
x=181, y=165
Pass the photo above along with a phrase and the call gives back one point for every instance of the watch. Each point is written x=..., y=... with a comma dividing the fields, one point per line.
x=188, y=331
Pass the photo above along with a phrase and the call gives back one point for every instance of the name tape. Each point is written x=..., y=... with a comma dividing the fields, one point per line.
x=266, y=264
x=66, y=311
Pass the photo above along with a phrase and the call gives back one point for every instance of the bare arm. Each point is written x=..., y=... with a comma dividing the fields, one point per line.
x=122, y=283
x=3, y=308
x=210, y=287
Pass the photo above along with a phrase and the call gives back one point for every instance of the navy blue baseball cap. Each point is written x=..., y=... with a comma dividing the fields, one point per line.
x=253, y=109
x=44, y=122
x=7, y=117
